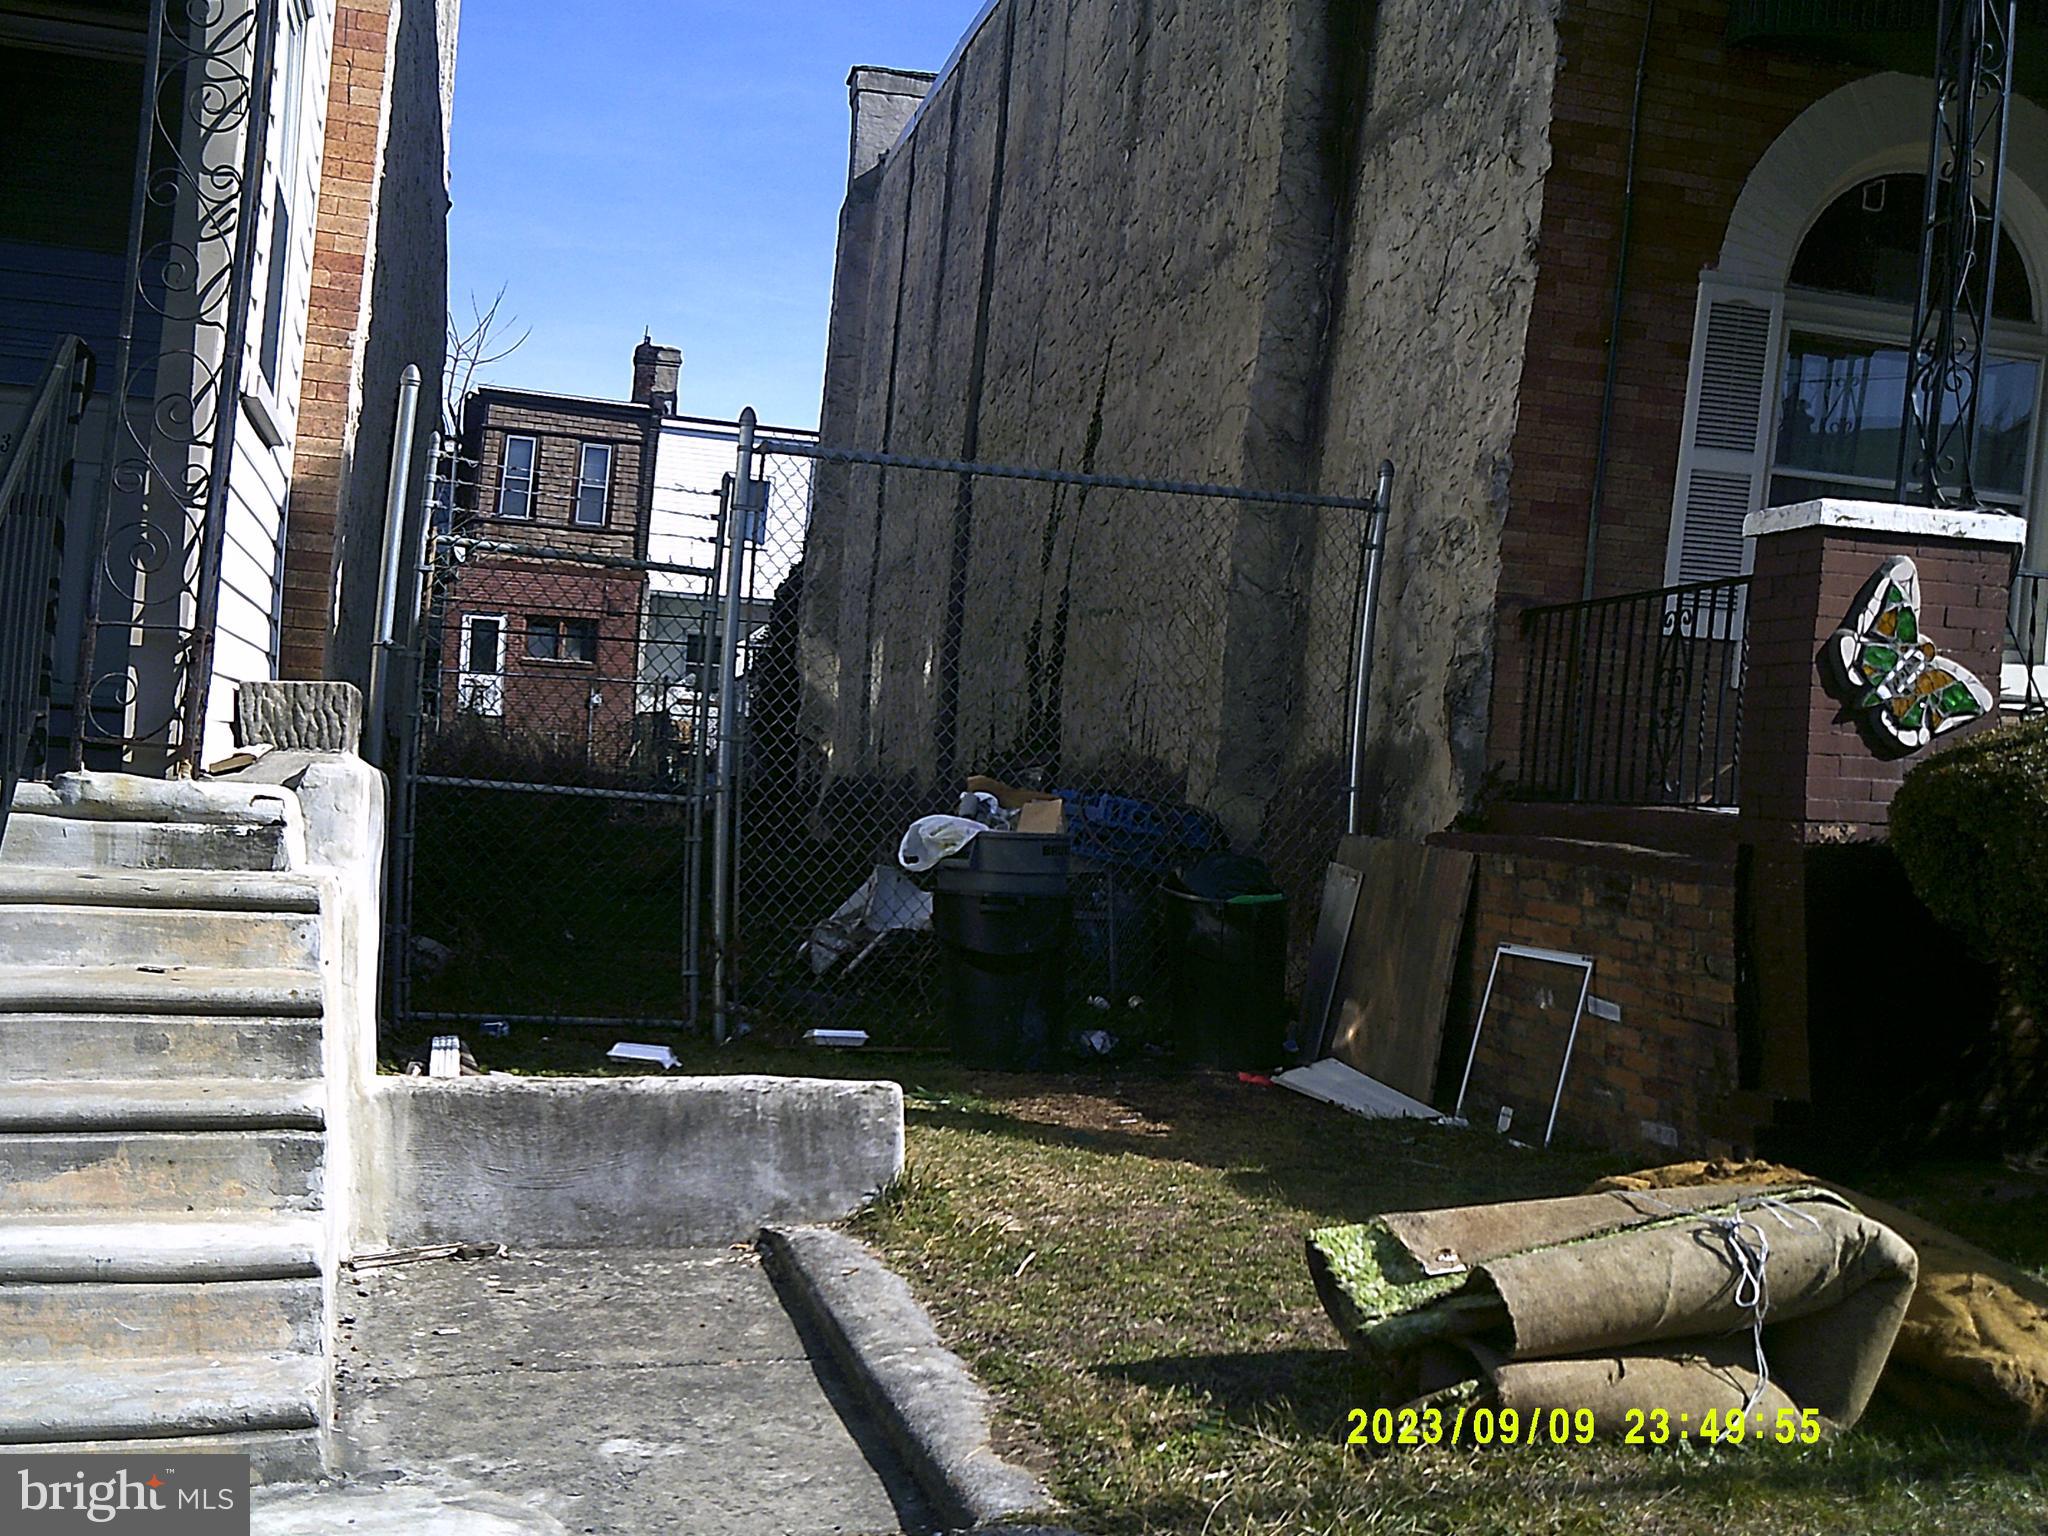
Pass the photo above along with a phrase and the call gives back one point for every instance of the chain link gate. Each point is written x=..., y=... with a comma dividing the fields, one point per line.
x=580, y=840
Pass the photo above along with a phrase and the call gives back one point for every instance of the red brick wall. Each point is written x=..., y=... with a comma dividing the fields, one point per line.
x=1661, y=930
x=334, y=320
x=1709, y=113
x=1808, y=774
x=547, y=702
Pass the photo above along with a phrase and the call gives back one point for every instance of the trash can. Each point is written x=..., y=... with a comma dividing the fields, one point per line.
x=999, y=911
x=1230, y=970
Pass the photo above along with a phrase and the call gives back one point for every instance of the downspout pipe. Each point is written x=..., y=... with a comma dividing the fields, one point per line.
x=392, y=579
x=1628, y=218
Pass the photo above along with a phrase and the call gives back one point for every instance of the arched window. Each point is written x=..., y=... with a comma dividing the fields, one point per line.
x=1848, y=315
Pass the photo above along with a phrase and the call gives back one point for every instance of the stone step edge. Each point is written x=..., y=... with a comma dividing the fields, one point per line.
x=163, y=1104
x=275, y=1455
x=165, y=802
x=178, y=890
x=166, y=990
x=166, y=1250
x=174, y=1396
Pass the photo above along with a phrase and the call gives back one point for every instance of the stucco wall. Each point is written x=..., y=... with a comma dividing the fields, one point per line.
x=1201, y=242
x=1425, y=367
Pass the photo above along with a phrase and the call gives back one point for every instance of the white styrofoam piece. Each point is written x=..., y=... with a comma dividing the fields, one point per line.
x=1335, y=1083
x=840, y=1037
x=659, y=1055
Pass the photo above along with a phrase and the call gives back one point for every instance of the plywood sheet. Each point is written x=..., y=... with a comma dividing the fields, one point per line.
x=1394, y=984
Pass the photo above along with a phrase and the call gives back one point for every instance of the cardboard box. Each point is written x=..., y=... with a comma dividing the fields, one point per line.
x=1008, y=796
x=1047, y=815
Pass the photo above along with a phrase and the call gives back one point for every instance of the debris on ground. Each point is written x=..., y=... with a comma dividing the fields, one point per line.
x=1692, y=1300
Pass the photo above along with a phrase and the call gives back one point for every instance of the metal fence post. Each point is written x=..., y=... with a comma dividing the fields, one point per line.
x=1361, y=671
x=742, y=503
x=395, y=520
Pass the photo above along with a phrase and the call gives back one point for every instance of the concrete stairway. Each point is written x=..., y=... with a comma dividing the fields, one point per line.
x=165, y=1263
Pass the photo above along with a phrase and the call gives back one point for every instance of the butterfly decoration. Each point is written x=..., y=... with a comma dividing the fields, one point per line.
x=1887, y=668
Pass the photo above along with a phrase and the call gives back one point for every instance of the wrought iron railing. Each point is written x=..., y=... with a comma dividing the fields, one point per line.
x=1635, y=700
x=36, y=462
x=2026, y=640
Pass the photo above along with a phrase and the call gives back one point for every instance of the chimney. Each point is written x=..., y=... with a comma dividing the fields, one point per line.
x=657, y=375
x=883, y=100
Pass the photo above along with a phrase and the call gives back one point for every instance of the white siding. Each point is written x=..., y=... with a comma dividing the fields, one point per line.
x=245, y=639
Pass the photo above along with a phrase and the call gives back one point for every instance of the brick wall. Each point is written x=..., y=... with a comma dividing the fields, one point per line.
x=559, y=429
x=328, y=399
x=378, y=303
x=1661, y=930
x=558, y=709
x=1709, y=113
x=1809, y=774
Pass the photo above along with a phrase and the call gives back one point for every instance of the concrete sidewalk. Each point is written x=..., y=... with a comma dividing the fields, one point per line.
x=615, y=1393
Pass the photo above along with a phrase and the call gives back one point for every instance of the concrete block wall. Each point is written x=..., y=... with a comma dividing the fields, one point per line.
x=1189, y=243
x=1662, y=932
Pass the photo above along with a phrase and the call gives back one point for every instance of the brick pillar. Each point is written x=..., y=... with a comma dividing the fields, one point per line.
x=1812, y=779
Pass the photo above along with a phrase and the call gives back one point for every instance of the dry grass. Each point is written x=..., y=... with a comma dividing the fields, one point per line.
x=1121, y=1261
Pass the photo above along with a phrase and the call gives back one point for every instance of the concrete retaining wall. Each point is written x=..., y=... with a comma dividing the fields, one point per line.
x=1261, y=244
x=570, y=1162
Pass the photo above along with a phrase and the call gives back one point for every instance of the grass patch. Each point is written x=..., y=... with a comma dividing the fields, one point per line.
x=1120, y=1259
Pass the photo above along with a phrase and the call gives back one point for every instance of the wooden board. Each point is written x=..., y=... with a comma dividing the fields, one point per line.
x=1394, y=984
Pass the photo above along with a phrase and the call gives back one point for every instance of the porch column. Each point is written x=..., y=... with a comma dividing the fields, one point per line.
x=1819, y=762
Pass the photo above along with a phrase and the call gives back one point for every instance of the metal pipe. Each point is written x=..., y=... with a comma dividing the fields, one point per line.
x=1361, y=668
x=744, y=489
x=1628, y=218
x=394, y=556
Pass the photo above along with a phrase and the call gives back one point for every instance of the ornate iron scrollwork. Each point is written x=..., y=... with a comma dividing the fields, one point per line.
x=146, y=654
x=1958, y=252
x=1671, y=695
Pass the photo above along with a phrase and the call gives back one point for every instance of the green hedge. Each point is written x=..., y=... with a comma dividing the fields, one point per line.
x=1970, y=825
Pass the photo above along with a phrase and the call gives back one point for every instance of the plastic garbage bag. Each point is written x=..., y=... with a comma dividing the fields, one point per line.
x=932, y=838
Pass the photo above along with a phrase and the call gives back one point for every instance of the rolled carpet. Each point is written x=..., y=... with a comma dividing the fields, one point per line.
x=1691, y=1299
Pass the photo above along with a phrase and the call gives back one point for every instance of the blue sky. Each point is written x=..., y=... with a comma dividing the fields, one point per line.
x=674, y=164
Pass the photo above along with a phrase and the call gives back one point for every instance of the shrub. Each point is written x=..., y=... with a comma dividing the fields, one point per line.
x=1971, y=828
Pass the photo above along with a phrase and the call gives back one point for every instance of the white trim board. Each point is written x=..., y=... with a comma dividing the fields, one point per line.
x=1889, y=517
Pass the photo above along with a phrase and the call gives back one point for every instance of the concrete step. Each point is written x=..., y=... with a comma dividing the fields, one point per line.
x=147, y=989
x=98, y=1320
x=275, y=1455
x=75, y=1047
x=44, y=935
x=76, y=1400
x=112, y=820
x=51, y=1250
x=165, y=1104
x=120, y=1172
x=180, y=890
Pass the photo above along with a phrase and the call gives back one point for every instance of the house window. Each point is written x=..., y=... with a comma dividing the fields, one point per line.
x=1848, y=318
x=515, y=478
x=284, y=193
x=561, y=639
x=593, y=484
x=480, y=684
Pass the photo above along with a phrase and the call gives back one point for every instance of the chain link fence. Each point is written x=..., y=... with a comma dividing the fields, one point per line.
x=1177, y=663
x=584, y=839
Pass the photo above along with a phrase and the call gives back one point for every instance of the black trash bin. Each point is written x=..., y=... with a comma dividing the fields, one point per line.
x=1230, y=974
x=1000, y=913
